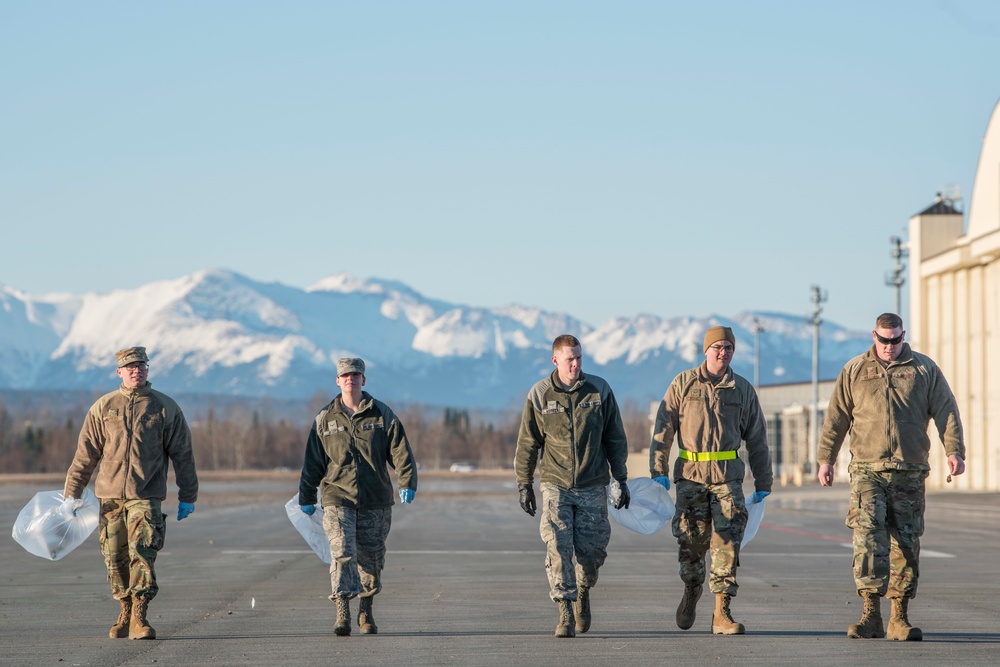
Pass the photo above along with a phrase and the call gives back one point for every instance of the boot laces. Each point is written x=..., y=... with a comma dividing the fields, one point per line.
x=365, y=610
x=584, y=602
x=689, y=599
x=565, y=612
x=125, y=613
x=724, y=609
x=901, y=615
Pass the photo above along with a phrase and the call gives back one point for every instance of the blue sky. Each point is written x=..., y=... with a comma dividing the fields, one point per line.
x=595, y=158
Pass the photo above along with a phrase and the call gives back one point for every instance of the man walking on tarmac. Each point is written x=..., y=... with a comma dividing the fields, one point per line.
x=885, y=398
x=353, y=442
x=572, y=429
x=710, y=410
x=133, y=432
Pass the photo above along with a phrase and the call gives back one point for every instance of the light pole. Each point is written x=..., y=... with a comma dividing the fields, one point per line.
x=896, y=279
x=818, y=297
x=757, y=331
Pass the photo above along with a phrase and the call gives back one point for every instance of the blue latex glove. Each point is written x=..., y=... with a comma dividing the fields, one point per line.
x=758, y=496
x=406, y=495
x=663, y=481
x=308, y=509
x=184, y=510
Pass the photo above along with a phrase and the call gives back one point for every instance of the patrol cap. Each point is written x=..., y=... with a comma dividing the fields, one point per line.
x=715, y=334
x=350, y=365
x=131, y=355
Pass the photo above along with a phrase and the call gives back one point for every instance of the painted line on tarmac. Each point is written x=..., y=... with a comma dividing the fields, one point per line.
x=432, y=552
x=924, y=553
x=976, y=508
x=251, y=552
x=418, y=552
x=490, y=552
x=846, y=542
x=806, y=533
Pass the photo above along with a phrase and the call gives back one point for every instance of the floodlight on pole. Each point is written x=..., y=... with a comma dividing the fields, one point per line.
x=818, y=297
x=896, y=279
x=757, y=330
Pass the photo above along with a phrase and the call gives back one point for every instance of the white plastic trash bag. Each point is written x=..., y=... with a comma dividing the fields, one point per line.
x=650, y=506
x=756, y=512
x=310, y=528
x=47, y=529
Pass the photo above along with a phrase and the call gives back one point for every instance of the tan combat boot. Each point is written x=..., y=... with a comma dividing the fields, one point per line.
x=366, y=622
x=722, y=619
x=120, y=629
x=686, y=609
x=581, y=609
x=139, y=628
x=899, y=625
x=566, y=620
x=342, y=628
x=870, y=625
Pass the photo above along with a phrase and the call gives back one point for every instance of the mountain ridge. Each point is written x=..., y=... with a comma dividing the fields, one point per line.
x=216, y=331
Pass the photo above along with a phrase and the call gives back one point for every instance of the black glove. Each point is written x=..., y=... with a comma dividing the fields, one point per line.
x=527, y=498
x=624, y=499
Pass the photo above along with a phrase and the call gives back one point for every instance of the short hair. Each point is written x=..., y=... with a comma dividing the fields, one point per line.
x=888, y=321
x=565, y=340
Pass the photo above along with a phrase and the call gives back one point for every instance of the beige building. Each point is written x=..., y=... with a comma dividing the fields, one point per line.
x=955, y=313
x=788, y=410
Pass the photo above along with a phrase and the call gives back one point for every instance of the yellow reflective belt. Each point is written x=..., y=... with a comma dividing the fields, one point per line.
x=706, y=456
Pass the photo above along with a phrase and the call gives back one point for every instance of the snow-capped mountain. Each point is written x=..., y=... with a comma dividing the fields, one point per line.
x=218, y=332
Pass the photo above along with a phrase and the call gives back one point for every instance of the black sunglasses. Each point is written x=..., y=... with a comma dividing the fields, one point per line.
x=891, y=341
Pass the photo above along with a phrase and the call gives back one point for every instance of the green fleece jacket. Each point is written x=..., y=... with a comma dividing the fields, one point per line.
x=710, y=417
x=132, y=434
x=887, y=410
x=572, y=434
x=348, y=456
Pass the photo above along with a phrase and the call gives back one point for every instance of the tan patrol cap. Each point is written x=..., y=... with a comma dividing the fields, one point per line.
x=350, y=365
x=130, y=355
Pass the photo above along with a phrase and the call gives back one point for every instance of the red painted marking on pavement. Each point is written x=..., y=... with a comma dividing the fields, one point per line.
x=806, y=533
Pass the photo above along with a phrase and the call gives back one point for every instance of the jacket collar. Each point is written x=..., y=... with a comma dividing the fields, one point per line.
x=144, y=390
x=558, y=385
x=366, y=402
x=905, y=356
x=727, y=380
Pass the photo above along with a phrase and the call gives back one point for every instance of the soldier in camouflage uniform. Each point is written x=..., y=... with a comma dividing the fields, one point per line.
x=710, y=410
x=572, y=430
x=133, y=433
x=352, y=443
x=886, y=398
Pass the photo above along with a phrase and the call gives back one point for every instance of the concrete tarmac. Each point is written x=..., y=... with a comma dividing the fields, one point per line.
x=465, y=584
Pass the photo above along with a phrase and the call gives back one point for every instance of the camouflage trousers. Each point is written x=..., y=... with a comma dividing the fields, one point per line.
x=700, y=508
x=357, y=549
x=131, y=534
x=574, y=523
x=887, y=517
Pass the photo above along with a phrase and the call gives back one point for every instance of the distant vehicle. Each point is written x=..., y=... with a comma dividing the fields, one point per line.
x=462, y=467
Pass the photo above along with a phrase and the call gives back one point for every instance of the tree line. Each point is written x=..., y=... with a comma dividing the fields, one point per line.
x=39, y=433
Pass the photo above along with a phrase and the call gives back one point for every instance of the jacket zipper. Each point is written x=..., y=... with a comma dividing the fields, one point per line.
x=129, y=430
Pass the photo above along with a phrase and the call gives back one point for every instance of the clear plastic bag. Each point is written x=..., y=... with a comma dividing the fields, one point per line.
x=650, y=506
x=310, y=528
x=756, y=515
x=50, y=530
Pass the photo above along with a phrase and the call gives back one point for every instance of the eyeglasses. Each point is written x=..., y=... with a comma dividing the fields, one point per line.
x=137, y=367
x=728, y=349
x=890, y=341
